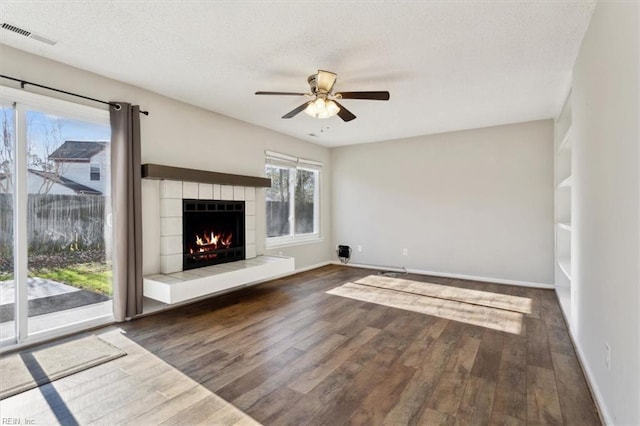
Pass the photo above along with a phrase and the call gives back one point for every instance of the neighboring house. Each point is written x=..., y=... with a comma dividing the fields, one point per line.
x=85, y=163
x=38, y=180
x=83, y=169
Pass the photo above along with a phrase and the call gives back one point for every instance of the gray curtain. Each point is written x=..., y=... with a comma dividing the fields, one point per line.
x=127, y=219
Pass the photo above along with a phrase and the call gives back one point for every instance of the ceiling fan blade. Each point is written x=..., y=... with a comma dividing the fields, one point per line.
x=326, y=80
x=374, y=96
x=296, y=111
x=281, y=93
x=344, y=113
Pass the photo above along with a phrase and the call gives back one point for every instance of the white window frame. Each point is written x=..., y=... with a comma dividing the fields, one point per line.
x=293, y=164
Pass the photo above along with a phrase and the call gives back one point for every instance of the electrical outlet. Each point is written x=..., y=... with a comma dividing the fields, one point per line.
x=607, y=356
x=405, y=252
x=360, y=249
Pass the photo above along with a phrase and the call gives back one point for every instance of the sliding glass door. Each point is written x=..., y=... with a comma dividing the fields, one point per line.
x=55, y=238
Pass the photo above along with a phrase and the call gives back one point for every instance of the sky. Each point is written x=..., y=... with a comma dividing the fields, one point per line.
x=46, y=132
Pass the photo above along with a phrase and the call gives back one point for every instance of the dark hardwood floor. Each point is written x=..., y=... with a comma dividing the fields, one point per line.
x=287, y=353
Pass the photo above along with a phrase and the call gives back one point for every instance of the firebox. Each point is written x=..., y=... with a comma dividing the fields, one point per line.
x=213, y=232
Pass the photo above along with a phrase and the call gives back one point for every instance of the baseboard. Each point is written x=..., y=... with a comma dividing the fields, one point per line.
x=448, y=275
x=310, y=267
x=596, y=394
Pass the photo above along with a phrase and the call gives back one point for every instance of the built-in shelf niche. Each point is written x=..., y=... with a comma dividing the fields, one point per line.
x=563, y=141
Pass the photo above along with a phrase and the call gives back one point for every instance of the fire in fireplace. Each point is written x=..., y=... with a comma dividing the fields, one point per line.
x=213, y=232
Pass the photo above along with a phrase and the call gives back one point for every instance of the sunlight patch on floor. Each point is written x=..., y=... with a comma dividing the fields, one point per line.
x=491, y=310
x=139, y=388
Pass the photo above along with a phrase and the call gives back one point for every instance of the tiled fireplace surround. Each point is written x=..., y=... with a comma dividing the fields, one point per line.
x=172, y=192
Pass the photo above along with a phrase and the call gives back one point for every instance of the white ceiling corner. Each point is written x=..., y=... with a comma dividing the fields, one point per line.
x=448, y=65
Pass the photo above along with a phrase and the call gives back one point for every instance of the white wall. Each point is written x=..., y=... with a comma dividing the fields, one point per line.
x=606, y=185
x=181, y=135
x=476, y=202
x=80, y=172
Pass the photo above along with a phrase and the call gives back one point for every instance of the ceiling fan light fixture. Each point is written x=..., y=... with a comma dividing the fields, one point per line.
x=322, y=108
x=323, y=103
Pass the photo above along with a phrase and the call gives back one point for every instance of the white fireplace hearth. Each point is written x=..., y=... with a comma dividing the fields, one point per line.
x=173, y=285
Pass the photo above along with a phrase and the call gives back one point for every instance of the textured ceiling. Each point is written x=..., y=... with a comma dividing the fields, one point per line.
x=448, y=65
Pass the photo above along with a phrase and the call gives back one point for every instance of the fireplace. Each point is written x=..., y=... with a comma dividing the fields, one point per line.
x=213, y=232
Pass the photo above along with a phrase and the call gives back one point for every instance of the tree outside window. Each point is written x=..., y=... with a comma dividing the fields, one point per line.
x=292, y=202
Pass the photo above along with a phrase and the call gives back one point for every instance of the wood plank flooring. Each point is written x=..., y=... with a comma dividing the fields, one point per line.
x=288, y=353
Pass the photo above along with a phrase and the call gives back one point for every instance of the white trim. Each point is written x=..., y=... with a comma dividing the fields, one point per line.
x=448, y=275
x=598, y=398
x=59, y=332
x=20, y=241
x=310, y=267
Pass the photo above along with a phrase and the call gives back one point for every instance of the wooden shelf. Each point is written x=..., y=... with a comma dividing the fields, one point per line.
x=158, y=171
x=565, y=266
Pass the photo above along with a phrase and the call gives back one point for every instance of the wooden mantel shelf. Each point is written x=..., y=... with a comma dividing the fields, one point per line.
x=158, y=171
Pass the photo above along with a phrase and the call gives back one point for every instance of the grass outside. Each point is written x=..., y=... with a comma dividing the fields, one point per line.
x=96, y=277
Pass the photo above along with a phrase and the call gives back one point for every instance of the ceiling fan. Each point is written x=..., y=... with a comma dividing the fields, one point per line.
x=323, y=103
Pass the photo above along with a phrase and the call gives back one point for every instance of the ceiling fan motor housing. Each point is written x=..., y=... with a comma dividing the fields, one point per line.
x=313, y=83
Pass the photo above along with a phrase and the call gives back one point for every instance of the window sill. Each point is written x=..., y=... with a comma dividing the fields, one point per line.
x=293, y=243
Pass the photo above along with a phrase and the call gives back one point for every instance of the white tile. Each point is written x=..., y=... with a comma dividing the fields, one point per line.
x=238, y=193
x=250, y=237
x=171, y=245
x=226, y=192
x=184, y=275
x=250, y=251
x=216, y=192
x=250, y=208
x=170, y=226
x=170, y=263
x=170, y=207
x=190, y=190
x=161, y=278
x=171, y=189
x=205, y=191
x=250, y=193
x=249, y=222
x=201, y=272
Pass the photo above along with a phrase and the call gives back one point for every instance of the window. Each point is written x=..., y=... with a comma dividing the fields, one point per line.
x=95, y=171
x=293, y=201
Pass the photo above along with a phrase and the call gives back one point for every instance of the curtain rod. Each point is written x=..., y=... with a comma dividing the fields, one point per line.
x=24, y=83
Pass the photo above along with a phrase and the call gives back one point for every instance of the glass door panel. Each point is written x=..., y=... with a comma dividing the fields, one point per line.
x=69, y=242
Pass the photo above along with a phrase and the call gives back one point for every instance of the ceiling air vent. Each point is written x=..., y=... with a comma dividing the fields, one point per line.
x=15, y=29
x=28, y=34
